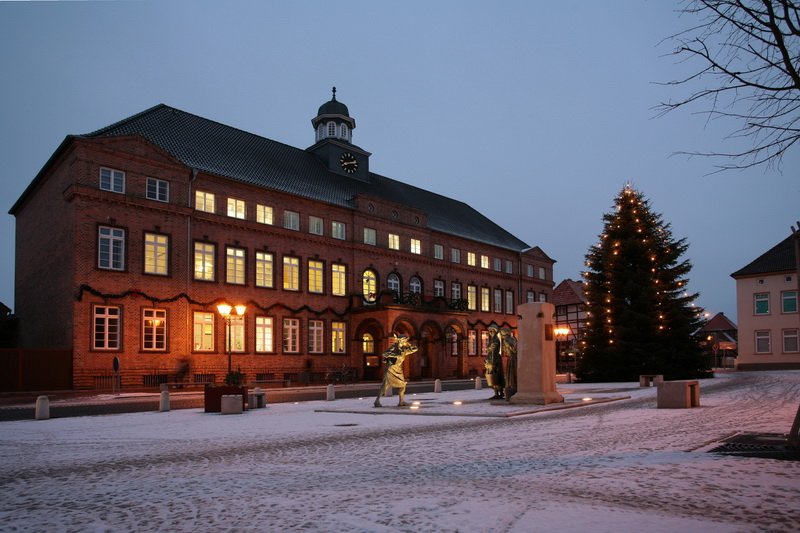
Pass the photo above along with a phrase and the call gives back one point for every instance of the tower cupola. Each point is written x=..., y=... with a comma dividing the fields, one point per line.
x=333, y=121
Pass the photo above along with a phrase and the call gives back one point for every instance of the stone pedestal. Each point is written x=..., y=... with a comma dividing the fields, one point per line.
x=536, y=355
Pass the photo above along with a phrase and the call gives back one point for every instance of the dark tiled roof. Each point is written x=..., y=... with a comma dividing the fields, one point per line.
x=779, y=258
x=229, y=152
x=569, y=292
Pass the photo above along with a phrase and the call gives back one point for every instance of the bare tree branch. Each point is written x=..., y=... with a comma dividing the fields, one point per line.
x=747, y=54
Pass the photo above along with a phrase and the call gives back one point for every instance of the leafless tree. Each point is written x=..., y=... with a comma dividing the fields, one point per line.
x=747, y=57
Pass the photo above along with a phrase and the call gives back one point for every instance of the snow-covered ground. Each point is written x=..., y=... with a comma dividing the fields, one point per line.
x=345, y=466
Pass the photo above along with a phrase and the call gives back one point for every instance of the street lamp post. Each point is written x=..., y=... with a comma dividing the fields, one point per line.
x=225, y=311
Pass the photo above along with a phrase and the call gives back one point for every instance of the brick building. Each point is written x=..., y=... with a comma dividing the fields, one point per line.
x=130, y=236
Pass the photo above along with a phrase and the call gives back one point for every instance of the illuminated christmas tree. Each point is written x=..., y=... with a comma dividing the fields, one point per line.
x=640, y=317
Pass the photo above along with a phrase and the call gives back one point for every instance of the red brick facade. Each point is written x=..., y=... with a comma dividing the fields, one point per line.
x=62, y=289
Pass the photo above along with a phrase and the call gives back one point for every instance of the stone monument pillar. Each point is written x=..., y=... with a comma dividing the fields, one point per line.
x=536, y=355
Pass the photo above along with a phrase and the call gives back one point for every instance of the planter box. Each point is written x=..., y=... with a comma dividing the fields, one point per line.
x=212, y=396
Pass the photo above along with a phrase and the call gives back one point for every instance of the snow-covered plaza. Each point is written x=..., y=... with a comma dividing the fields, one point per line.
x=344, y=466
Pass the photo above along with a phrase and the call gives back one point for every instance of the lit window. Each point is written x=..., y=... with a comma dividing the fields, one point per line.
x=367, y=343
x=156, y=251
x=291, y=274
x=763, y=341
x=455, y=255
x=484, y=342
x=315, y=225
x=154, y=329
x=393, y=283
x=291, y=335
x=370, y=236
x=264, y=334
x=234, y=265
x=472, y=297
x=106, y=331
x=394, y=241
x=761, y=303
x=291, y=220
x=112, y=180
x=485, y=299
x=235, y=342
x=471, y=261
x=338, y=280
x=236, y=208
x=316, y=272
x=438, y=251
x=472, y=342
x=789, y=301
x=484, y=261
x=338, y=337
x=205, y=201
x=111, y=248
x=263, y=214
x=338, y=230
x=414, y=246
x=315, y=336
x=157, y=190
x=790, y=341
x=203, y=331
x=264, y=270
x=369, y=285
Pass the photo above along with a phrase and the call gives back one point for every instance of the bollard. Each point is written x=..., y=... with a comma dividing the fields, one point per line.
x=330, y=393
x=437, y=385
x=163, y=404
x=42, y=408
x=478, y=383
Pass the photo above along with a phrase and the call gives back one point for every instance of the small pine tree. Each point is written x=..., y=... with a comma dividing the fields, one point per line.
x=640, y=318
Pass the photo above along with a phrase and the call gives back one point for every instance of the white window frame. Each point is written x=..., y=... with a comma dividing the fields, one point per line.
x=498, y=264
x=415, y=285
x=338, y=230
x=415, y=246
x=291, y=273
x=291, y=220
x=370, y=236
x=235, y=261
x=203, y=331
x=112, y=180
x=265, y=334
x=338, y=337
x=156, y=254
x=455, y=255
x=316, y=226
x=509, y=266
x=761, y=336
x=455, y=290
x=438, y=288
x=369, y=285
x=438, y=251
x=264, y=214
x=472, y=342
x=472, y=297
x=471, y=259
x=393, y=282
x=786, y=298
x=338, y=279
x=205, y=261
x=394, y=241
x=265, y=269
x=498, y=301
x=157, y=189
x=485, y=300
x=316, y=338
x=205, y=201
x=790, y=336
x=237, y=337
x=107, y=328
x=316, y=276
x=485, y=261
x=291, y=335
x=111, y=248
x=237, y=208
x=154, y=330
x=509, y=302
x=761, y=298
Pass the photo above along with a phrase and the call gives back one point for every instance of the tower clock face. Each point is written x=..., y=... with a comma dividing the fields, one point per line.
x=348, y=162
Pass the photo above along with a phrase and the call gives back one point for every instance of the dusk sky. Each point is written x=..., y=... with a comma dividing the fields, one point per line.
x=535, y=113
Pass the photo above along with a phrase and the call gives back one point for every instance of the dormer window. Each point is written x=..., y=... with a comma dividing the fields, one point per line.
x=331, y=129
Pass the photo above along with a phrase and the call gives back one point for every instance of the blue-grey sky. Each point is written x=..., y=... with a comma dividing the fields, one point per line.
x=534, y=112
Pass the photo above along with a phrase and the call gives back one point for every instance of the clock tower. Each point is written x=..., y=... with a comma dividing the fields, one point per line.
x=333, y=127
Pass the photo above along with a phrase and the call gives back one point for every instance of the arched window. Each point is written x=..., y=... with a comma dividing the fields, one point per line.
x=331, y=129
x=415, y=285
x=369, y=285
x=343, y=131
x=320, y=131
x=393, y=283
x=367, y=343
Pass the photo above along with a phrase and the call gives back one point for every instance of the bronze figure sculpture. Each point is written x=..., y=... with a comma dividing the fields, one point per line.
x=393, y=372
x=495, y=377
x=509, y=347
